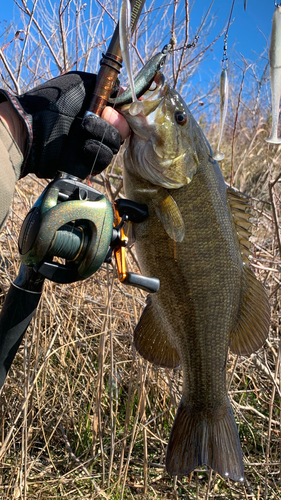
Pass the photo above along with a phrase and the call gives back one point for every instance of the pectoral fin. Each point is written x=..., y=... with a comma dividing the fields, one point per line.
x=151, y=340
x=253, y=321
x=169, y=213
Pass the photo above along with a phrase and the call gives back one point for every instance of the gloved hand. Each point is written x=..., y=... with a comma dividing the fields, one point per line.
x=58, y=139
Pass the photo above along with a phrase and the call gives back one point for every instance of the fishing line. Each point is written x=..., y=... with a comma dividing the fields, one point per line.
x=103, y=136
x=203, y=22
x=225, y=58
x=196, y=38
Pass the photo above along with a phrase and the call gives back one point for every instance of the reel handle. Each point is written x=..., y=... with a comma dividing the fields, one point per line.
x=148, y=284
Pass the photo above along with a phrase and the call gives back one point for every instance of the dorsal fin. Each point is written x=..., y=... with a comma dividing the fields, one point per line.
x=151, y=340
x=253, y=319
x=240, y=210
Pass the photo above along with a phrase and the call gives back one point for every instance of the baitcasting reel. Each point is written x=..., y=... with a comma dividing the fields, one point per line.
x=77, y=223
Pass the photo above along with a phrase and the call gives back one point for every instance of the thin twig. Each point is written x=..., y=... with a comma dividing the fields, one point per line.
x=173, y=39
x=25, y=402
x=42, y=34
x=274, y=211
x=26, y=40
x=10, y=71
x=63, y=34
x=185, y=42
x=78, y=462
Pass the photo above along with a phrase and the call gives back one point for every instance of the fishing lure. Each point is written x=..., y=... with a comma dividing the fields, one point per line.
x=218, y=155
x=144, y=78
x=125, y=45
x=275, y=74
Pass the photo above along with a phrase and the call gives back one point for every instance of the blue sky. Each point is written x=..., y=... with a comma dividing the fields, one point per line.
x=246, y=31
x=249, y=33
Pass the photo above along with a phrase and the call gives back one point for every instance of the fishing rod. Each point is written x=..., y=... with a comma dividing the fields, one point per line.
x=111, y=64
x=75, y=222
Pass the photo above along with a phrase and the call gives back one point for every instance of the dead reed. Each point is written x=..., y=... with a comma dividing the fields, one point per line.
x=83, y=416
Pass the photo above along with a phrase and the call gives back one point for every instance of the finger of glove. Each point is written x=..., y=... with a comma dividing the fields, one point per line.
x=69, y=94
x=83, y=154
x=97, y=155
x=90, y=159
x=100, y=130
x=48, y=111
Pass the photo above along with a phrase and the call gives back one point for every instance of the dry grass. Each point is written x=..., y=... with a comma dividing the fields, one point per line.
x=83, y=416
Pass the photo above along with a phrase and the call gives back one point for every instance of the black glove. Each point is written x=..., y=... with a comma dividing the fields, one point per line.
x=58, y=139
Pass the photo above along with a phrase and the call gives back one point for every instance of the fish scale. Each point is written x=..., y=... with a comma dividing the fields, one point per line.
x=195, y=242
x=199, y=252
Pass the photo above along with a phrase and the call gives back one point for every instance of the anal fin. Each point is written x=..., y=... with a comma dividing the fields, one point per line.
x=151, y=340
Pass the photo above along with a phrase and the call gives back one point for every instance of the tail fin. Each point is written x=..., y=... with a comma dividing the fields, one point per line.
x=205, y=439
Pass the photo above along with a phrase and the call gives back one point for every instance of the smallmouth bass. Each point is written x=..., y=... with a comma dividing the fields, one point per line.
x=196, y=241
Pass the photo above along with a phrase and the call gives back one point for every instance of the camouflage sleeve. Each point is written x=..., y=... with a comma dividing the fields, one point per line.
x=10, y=166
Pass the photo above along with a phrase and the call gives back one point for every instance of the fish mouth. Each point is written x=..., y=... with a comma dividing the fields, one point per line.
x=155, y=173
x=163, y=175
x=169, y=178
x=168, y=159
x=150, y=100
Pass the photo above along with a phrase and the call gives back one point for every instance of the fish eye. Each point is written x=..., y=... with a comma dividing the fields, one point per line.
x=181, y=117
